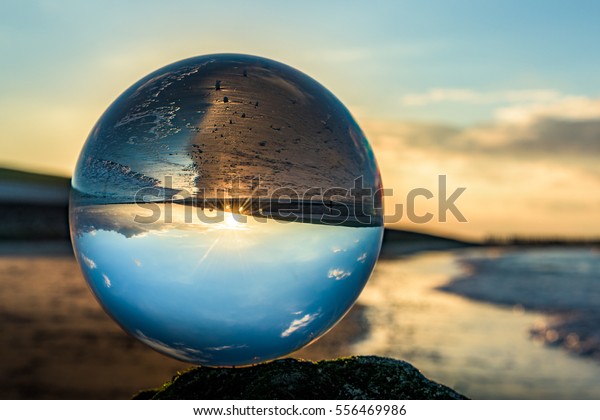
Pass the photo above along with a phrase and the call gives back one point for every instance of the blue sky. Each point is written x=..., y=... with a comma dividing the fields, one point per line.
x=284, y=302
x=455, y=86
x=370, y=55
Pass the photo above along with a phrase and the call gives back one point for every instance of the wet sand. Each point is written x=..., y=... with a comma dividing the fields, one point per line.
x=561, y=282
x=482, y=350
x=57, y=343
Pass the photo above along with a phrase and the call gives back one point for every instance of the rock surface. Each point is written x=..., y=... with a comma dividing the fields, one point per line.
x=354, y=378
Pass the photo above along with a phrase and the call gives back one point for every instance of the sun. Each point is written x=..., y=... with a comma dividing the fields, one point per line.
x=230, y=221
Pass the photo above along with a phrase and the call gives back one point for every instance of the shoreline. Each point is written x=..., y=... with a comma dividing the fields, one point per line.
x=479, y=349
x=571, y=321
x=56, y=337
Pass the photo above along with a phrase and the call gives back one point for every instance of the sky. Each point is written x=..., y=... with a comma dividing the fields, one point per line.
x=501, y=97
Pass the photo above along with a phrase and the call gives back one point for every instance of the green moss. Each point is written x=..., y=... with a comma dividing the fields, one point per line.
x=359, y=377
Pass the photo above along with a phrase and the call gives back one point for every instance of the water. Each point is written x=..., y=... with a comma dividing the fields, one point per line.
x=57, y=343
x=555, y=279
x=564, y=282
x=225, y=210
x=481, y=349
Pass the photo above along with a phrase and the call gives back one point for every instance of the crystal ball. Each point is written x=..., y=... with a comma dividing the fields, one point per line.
x=226, y=210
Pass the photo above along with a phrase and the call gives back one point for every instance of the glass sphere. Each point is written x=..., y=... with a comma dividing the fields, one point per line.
x=226, y=210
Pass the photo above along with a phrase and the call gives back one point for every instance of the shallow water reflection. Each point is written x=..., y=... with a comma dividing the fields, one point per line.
x=481, y=350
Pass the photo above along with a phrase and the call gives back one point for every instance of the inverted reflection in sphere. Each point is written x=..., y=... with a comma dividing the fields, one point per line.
x=225, y=210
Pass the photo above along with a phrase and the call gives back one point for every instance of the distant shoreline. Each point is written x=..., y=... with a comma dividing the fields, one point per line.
x=45, y=217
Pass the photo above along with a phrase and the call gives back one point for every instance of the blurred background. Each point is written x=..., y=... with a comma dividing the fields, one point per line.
x=502, y=98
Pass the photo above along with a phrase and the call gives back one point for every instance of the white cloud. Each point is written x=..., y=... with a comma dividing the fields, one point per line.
x=88, y=261
x=521, y=174
x=107, y=281
x=299, y=323
x=221, y=348
x=176, y=350
x=469, y=96
x=566, y=126
x=338, y=274
x=565, y=108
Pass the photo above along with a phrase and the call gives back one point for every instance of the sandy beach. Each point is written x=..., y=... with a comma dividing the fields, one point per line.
x=57, y=343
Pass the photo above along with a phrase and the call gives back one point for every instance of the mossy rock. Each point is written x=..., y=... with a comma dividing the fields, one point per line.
x=354, y=378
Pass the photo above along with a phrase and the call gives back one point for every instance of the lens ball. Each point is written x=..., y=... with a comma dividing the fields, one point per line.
x=226, y=210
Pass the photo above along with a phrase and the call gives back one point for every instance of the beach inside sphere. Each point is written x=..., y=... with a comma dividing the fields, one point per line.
x=226, y=210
